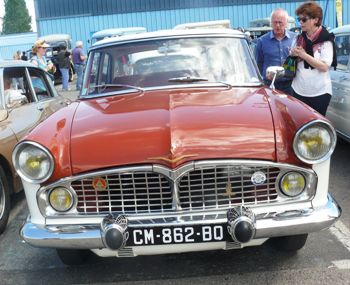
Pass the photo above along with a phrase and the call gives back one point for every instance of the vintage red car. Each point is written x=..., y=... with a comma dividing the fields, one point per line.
x=175, y=145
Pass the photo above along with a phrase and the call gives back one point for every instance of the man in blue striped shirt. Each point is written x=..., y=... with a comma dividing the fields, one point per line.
x=273, y=48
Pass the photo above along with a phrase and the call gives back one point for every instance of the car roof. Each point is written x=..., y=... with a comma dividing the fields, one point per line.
x=165, y=34
x=341, y=30
x=118, y=32
x=15, y=63
x=55, y=37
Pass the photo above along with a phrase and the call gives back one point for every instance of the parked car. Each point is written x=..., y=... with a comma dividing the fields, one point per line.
x=56, y=41
x=339, y=108
x=27, y=97
x=176, y=158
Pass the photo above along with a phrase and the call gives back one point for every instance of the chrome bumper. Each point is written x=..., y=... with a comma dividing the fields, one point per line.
x=266, y=225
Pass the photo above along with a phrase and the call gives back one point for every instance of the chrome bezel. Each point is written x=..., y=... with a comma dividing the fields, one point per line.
x=281, y=180
x=16, y=153
x=332, y=133
x=70, y=194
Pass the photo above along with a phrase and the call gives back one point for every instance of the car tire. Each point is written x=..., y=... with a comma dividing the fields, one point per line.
x=4, y=201
x=73, y=256
x=289, y=243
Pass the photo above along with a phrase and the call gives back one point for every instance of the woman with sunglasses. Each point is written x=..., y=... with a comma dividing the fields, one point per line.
x=315, y=50
x=38, y=59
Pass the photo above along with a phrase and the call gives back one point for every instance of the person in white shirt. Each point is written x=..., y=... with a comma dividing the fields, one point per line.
x=316, y=54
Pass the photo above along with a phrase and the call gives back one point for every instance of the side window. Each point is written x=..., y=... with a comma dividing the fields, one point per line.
x=94, y=70
x=16, y=88
x=342, y=44
x=40, y=84
x=105, y=70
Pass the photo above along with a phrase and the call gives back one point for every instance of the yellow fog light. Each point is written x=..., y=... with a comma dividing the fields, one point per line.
x=61, y=199
x=293, y=184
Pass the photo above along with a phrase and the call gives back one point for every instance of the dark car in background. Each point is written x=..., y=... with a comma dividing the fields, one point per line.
x=56, y=41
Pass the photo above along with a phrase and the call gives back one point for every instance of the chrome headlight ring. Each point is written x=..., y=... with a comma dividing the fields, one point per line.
x=33, y=162
x=315, y=142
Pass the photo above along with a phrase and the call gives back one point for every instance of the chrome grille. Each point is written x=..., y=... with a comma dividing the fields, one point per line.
x=134, y=192
x=226, y=186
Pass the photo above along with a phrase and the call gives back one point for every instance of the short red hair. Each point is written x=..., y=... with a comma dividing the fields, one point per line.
x=312, y=10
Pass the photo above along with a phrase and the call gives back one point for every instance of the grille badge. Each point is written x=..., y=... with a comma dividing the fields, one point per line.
x=99, y=184
x=258, y=178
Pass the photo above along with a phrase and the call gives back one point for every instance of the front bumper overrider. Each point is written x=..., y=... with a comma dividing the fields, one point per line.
x=262, y=226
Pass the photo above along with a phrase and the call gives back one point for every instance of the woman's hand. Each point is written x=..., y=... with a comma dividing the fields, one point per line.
x=298, y=52
x=315, y=63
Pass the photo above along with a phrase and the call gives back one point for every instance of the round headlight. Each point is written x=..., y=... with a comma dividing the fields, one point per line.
x=292, y=184
x=315, y=142
x=33, y=162
x=61, y=199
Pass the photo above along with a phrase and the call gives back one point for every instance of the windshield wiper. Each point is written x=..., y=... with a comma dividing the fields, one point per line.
x=116, y=85
x=187, y=79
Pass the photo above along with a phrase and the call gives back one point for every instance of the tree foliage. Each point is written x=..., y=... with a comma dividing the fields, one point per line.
x=16, y=18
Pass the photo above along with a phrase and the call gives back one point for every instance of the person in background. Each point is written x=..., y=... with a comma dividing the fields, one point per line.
x=316, y=54
x=24, y=57
x=273, y=48
x=17, y=55
x=63, y=61
x=78, y=60
x=38, y=58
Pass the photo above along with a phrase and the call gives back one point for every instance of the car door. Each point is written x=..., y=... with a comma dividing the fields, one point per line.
x=22, y=117
x=45, y=93
x=42, y=99
x=339, y=107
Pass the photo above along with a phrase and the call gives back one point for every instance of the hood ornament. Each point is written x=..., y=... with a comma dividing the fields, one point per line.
x=172, y=160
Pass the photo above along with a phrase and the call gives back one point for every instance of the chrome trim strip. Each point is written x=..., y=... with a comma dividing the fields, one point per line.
x=268, y=225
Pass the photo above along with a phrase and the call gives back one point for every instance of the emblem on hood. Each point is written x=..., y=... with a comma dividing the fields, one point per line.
x=172, y=160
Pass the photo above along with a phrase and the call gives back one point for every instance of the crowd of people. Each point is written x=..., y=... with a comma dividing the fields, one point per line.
x=62, y=61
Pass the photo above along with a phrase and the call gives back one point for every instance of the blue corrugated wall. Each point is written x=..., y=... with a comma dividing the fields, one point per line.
x=80, y=27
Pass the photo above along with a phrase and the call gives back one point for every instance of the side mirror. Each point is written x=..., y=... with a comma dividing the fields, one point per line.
x=273, y=72
x=3, y=114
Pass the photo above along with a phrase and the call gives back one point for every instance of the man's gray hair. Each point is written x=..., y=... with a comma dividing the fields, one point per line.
x=79, y=44
x=281, y=10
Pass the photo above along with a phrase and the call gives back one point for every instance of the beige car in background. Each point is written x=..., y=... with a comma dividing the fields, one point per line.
x=27, y=97
x=339, y=107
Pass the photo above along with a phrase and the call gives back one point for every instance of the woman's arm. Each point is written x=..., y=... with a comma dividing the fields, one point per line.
x=319, y=64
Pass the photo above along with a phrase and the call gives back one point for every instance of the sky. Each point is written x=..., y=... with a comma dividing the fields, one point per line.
x=30, y=7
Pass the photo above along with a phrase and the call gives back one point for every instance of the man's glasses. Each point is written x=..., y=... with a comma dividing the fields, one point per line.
x=303, y=19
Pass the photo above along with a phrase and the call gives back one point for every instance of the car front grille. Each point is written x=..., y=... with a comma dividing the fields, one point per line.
x=202, y=188
x=135, y=192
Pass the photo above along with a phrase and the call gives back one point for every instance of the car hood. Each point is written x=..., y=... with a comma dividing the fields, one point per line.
x=173, y=127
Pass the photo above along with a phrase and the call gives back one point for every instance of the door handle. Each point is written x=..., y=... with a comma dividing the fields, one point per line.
x=40, y=108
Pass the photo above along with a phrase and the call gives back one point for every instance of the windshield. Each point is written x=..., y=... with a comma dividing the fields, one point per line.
x=162, y=62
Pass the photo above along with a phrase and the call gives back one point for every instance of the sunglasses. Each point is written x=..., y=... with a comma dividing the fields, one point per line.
x=303, y=19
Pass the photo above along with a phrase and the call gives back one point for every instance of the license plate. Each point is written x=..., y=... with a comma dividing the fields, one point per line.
x=177, y=235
